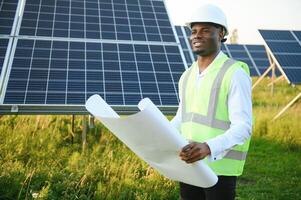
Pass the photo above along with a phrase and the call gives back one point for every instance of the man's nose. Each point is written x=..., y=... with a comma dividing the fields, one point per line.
x=197, y=35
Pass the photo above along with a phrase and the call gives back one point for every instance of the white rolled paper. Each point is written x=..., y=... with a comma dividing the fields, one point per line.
x=151, y=136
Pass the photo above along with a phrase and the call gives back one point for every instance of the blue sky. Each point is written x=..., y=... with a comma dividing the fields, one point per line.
x=246, y=16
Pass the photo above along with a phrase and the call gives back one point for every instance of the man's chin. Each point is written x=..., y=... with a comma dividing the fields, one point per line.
x=200, y=52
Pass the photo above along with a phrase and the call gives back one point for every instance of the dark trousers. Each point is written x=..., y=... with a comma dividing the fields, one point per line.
x=223, y=190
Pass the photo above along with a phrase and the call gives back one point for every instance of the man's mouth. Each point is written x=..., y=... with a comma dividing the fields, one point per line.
x=198, y=43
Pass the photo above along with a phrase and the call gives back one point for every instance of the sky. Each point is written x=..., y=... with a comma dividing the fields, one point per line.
x=245, y=15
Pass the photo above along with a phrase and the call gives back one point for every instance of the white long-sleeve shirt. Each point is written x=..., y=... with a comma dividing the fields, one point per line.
x=240, y=114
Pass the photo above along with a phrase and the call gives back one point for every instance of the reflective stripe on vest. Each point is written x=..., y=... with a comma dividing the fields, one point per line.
x=210, y=119
x=236, y=155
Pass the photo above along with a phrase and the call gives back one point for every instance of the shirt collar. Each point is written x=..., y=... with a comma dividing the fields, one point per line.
x=219, y=55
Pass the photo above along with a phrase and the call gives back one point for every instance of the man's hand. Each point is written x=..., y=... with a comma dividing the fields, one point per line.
x=194, y=151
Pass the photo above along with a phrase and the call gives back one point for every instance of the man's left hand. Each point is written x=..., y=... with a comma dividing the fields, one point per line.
x=194, y=151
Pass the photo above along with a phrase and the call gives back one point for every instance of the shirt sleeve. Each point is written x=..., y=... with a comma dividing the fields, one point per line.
x=240, y=116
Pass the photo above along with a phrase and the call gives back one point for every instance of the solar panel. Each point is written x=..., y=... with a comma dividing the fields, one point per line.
x=98, y=19
x=7, y=15
x=277, y=35
x=285, y=47
x=185, y=44
x=62, y=72
x=64, y=51
x=259, y=55
x=254, y=55
x=3, y=48
x=297, y=34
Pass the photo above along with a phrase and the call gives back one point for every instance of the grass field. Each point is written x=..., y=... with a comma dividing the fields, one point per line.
x=38, y=158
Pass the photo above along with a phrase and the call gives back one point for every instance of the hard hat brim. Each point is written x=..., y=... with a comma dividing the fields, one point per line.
x=188, y=24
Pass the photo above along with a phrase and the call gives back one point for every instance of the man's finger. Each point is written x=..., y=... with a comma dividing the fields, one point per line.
x=187, y=147
x=196, y=155
x=187, y=152
x=185, y=155
x=197, y=152
x=193, y=160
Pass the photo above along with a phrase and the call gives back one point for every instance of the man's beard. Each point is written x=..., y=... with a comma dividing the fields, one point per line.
x=202, y=52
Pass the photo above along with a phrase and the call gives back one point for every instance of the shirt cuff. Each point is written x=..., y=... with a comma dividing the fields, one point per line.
x=215, y=154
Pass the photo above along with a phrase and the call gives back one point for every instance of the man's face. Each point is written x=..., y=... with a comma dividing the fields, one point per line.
x=205, y=38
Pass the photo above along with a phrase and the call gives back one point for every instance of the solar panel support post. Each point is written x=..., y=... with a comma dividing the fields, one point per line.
x=72, y=128
x=38, y=119
x=91, y=122
x=263, y=75
x=273, y=78
x=287, y=106
x=276, y=80
x=84, y=133
x=273, y=73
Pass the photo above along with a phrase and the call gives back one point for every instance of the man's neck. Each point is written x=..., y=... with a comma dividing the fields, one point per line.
x=205, y=61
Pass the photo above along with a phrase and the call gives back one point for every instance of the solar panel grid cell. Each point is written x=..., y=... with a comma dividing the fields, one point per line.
x=7, y=15
x=3, y=48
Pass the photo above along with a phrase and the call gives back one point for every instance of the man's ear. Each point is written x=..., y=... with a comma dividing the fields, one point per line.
x=221, y=34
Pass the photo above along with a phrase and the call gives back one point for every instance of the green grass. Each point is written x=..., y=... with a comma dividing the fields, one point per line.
x=37, y=156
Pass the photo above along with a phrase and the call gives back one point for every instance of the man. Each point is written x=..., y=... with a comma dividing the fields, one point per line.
x=215, y=110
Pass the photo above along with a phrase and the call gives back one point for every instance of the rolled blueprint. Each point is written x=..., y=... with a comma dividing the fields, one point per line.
x=151, y=136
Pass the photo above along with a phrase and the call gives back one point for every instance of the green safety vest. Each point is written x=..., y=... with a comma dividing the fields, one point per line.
x=205, y=111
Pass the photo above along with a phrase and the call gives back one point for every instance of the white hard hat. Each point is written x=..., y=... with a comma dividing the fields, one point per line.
x=209, y=13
